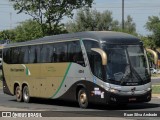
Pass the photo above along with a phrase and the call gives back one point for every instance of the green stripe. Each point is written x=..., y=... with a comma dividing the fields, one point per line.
x=62, y=80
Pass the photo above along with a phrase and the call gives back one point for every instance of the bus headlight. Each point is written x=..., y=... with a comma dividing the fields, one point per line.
x=114, y=90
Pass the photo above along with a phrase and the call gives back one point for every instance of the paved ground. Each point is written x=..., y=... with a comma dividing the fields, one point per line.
x=8, y=103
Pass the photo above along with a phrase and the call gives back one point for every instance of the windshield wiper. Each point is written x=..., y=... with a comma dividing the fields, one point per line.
x=127, y=74
x=136, y=74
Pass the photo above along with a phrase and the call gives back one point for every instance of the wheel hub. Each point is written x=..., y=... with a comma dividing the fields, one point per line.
x=83, y=98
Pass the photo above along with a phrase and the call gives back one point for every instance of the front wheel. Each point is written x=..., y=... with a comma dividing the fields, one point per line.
x=82, y=98
x=26, y=96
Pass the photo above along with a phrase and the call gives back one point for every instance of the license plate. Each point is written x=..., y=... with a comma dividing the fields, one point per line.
x=132, y=99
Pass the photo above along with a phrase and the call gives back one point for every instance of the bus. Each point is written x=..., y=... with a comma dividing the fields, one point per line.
x=2, y=43
x=102, y=67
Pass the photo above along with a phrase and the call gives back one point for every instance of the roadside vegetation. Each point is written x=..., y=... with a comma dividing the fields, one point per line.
x=155, y=75
x=156, y=89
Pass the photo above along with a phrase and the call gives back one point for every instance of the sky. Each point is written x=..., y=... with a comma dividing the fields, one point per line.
x=138, y=9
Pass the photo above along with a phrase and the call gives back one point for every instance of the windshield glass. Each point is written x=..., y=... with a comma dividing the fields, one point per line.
x=126, y=65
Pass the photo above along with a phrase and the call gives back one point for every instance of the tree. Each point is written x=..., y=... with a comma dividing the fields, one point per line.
x=129, y=26
x=7, y=35
x=49, y=13
x=153, y=25
x=92, y=20
x=27, y=30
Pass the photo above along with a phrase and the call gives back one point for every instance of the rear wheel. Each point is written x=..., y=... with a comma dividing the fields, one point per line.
x=26, y=96
x=18, y=94
x=82, y=98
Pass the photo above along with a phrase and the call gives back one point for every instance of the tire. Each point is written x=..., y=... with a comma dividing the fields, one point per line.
x=26, y=96
x=82, y=98
x=18, y=94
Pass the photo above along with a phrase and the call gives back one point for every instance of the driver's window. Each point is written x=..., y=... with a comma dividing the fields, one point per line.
x=93, y=57
x=96, y=64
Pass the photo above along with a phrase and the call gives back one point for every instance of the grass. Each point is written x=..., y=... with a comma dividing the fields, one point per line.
x=155, y=75
x=156, y=89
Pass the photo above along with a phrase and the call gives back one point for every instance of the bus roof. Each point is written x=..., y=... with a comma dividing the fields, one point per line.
x=109, y=37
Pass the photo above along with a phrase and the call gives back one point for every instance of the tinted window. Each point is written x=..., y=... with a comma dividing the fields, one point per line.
x=47, y=53
x=38, y=49
x=96, y=64
x=61, y=51
x=15, y=55
x=23, y=55
x=32, y=54
x=94, y=59
x=6, y=55
x=75, y=53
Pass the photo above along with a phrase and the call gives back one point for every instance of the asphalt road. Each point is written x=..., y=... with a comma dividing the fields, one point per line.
x=63, y=107
x=73, y=108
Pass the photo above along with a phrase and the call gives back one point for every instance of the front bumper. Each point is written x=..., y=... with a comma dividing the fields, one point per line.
x=115, y=98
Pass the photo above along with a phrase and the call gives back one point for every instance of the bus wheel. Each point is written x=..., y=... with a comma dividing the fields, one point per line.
x=18, y=94
x=26, y=96
x=82, y=98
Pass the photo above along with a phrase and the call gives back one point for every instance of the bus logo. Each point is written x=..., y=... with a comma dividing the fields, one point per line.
x=133, y=90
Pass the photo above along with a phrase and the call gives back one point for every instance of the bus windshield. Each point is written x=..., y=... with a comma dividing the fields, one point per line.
x=126, y=65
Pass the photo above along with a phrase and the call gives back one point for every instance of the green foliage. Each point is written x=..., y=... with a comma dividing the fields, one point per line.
x=7, y=34
x=49, y=13
x=156, y=89
x=129, y=26
x=153, y=25
x=26, y=30
x=92, y=20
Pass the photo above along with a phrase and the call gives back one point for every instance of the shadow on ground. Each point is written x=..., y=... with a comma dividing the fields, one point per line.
x=135, y=106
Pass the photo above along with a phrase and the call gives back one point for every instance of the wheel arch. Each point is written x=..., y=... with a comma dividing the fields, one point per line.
x=15, y=85
x=79, y=86
x=24, y=84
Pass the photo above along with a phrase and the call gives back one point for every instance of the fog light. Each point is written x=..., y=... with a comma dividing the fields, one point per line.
x=148, y=89
x=113, y=99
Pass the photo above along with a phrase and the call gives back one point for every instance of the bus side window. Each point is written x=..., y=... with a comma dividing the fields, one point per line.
x=15, y=55
x=96, y=64
x=47, y=53
x=62, y=52
x=32, y=54
x=75, y=53
x=38, y=53
x=53, y=54
x=23, y=56
x=7, y=55
x=88, y=45
x=94, y=58
x=44, y=54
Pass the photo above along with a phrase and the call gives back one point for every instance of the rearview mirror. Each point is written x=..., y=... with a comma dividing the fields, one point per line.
x=102, y=54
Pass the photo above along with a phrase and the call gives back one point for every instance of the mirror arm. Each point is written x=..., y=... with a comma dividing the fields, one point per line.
x=102, y=53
